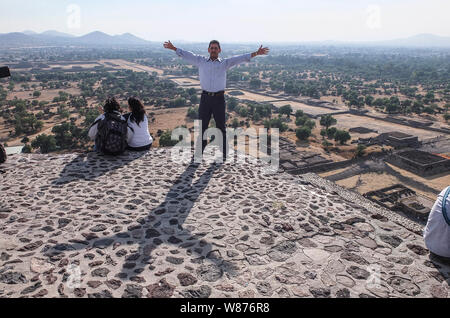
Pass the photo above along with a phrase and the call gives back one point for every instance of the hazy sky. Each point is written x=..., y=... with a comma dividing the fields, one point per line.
x=232, y=20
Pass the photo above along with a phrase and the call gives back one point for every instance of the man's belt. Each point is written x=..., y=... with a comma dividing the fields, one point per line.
x=213, y=94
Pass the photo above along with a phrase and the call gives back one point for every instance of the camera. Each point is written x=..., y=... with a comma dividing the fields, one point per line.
x=4, y=72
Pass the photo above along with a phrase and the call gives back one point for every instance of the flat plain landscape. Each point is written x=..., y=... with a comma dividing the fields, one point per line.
x=48, y=93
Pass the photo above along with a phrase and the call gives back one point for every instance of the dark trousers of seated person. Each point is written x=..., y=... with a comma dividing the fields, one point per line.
x=213, y=106
x=145, y=148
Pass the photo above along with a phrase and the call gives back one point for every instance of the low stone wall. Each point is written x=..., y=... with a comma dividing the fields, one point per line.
x=425, y=170
x=404, y=123
x=334, y=165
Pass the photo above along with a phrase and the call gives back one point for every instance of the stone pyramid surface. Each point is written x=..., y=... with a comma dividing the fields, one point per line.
x=139, y=225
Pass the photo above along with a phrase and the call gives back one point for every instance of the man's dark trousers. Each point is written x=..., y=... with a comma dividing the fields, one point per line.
x=215, y=106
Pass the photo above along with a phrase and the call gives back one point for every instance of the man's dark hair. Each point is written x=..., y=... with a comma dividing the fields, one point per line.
x=214, y=42
x=111, y=105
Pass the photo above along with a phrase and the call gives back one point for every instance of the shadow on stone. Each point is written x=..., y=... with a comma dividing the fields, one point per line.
x=163, y=225
x=442, y=264
x=92, y=165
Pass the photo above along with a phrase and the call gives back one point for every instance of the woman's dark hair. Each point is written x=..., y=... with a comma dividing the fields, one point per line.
x=137, y=110
x=111, y=105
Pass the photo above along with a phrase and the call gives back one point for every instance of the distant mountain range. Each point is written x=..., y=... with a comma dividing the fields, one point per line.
x=55, y=38
x=425, y=40
x=97, y=38
x=421, y=40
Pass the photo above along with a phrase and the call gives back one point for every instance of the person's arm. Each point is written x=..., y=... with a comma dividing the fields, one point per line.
x=261, y=51
x=237, y=60
x=93, y=132
x=245, y=58
x=94, y=128
x=130, y=130
x=185, y=55
x=130, y=134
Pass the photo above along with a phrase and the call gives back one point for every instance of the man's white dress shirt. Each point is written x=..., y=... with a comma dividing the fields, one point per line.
x=213, y=74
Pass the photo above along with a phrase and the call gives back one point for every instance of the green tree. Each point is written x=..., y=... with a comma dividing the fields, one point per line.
x=360, y=151
x=90, y=115
x=310, y=123
x=192, y=112
x=429, y=98
x=391, y=108
x=243, y=111
x=178, y=102
x=299, y=113
x=429, y=110
x=194, y=99
x=235, y=123
x=255, y=83
x=26, y=149
x=63, y=136
x=327, y=121
x=342, y=136
x=369, y=100
x=331, y=132
x=192, y=91
x=78, y=102
x=285, y=110
x=36, y=94
x=256, y=117
x=232, y=103
x=166, y=139
x=27, y=123
x=417, y=107
x=63, y=96
x=275, y=123
x=46, y=143
x=300, y=121
x=69, y=136
x=43, y=103
x=326, y=144
x=303, y=133
x=64, y=114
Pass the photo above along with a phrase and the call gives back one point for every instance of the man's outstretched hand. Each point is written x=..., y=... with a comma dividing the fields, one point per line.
x=261, y=51
x=169, y=45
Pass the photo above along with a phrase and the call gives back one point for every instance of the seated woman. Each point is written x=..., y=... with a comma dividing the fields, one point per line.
x=138, y=121
x=106, y=142
x=437, y=231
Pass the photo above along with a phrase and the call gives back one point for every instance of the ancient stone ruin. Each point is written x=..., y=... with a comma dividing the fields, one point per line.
x=395, y=139
x=421, y=163
x=400, y=198
x=140, y=225
x=361, y=130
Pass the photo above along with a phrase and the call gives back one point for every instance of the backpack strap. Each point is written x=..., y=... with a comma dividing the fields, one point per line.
x=3, y=155
x=444, y=208
x=95, y=123
x=127, y=116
